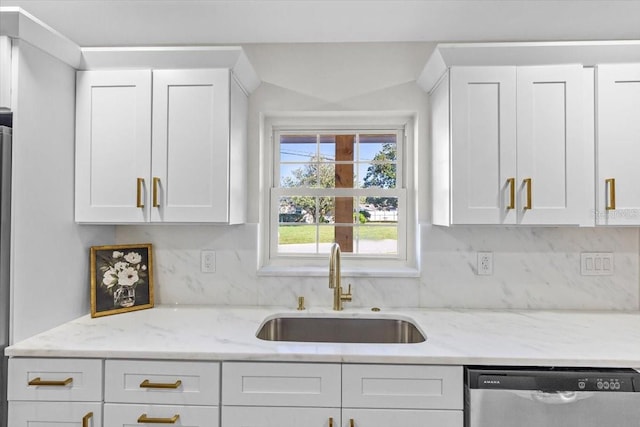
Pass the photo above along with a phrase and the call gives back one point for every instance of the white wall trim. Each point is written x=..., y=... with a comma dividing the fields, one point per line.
x=186, y=57
x=531, y=53
x=16, y=23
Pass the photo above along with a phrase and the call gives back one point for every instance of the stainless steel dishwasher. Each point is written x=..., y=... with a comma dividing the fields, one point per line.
x=551, y=397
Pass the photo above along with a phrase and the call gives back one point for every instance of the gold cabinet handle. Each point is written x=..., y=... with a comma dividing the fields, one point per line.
x=39, y=381
x=611, y=183
x=144, y=419
x=139, y=202
x=156, y=181
x=352, y=422
x=86, y=418
x=527, y=183
x=512, y=193
x=330, y=421
x=149, y=384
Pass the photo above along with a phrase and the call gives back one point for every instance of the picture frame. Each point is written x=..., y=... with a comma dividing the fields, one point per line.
x=121, y=278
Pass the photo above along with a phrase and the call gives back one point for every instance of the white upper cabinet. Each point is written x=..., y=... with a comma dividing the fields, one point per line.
x=618, y=139
x=113, y=146
x=161, y=146
x=513, y=146
x=483, y=144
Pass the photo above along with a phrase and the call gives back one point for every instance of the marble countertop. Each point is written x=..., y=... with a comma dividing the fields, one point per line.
x=454, y=337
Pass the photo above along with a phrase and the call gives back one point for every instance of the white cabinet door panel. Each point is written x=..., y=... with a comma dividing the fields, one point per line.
x=483, y=138
x=618, y=130
x=194, y=383
x=281, y=384
x=252, y=416
x=550, y=145
x=191, y=119
x=401, y=418
x=58, y=414
x=125, y=415
x=402, y=386
x=55, y=379
x=113, y=145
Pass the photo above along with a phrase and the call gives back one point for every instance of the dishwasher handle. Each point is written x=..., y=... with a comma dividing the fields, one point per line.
x=555, y=398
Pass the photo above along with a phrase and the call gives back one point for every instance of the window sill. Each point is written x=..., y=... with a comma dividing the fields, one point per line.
x=316, y=271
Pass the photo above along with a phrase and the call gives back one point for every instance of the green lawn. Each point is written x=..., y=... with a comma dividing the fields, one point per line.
x=292, y=234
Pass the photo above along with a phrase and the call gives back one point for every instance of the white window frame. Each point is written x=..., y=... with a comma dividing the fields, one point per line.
x=406, y=264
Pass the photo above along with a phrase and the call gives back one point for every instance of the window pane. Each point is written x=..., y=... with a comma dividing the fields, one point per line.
x=297, y=238
x=377, y=239
x=377, y=147
x=299, y=209
x=298, y=148
x=382, y=175
x=381, y=209
x=328, y=148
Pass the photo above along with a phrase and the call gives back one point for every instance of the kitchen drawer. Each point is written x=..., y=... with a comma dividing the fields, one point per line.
x=162, y=382
x=402, y=386
x=125, y=415
x=59, y=414
x=55, y=379
x=401, y=417
x=255, y=416
x=281, y=384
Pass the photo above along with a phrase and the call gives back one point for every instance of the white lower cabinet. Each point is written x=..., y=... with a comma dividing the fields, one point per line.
x=400, y=418
x=348, y=395
x=60, y=414
x=161, y=392
x=124, y=415
x=264, y=416
x=60, y=392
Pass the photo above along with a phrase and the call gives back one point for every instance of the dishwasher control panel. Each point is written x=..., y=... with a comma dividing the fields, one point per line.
x=555, y=379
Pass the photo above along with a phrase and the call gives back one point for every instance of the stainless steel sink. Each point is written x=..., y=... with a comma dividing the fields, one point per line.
x=341, y=330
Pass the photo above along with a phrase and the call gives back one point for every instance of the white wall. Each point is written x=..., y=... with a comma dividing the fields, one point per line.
x=533, y=267
x=50, y=273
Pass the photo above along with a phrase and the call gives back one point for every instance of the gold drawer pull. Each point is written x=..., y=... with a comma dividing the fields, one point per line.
x=86, y=418
x=611, y=183
x=139, y=202
x=512, y=193
x=527, y=183
x=148, y=384
x=144, y=419
x=156, y=181
x=352, y=423
x=330, y=421
x=39, y=381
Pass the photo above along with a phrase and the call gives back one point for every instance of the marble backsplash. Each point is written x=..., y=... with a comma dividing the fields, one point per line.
x=536, y=268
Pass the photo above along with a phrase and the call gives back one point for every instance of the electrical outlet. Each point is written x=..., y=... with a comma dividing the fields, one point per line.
x=485, y=264
x=208, y=261
x=596, y=264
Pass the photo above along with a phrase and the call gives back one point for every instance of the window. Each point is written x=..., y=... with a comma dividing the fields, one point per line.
x=335, y=181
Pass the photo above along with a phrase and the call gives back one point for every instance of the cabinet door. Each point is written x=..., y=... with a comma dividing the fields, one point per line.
x=190, y=146
x=551, y=146
x=60, y=414
x=618, y=129
x=121, y=415
x=483, y=138
x=397, y=417
x=260, y=416
x=113, y=146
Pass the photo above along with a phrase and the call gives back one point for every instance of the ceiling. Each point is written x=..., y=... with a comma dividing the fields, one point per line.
x=192, y=22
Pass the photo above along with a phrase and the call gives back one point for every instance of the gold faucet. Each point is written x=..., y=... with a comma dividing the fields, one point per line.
x=334, y=279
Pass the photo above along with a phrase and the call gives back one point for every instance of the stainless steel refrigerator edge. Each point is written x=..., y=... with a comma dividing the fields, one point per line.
x=5, y=245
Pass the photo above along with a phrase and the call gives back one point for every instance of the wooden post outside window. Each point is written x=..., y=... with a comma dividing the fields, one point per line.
x=344, y=179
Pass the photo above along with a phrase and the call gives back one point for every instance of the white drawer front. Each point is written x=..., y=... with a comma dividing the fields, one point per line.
x=402, y=386
x=58, y=414
x=254, y=416
x=127, y=415
x=55, y=379
x=401, y=418
x=180, y=383
x=281, y=384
